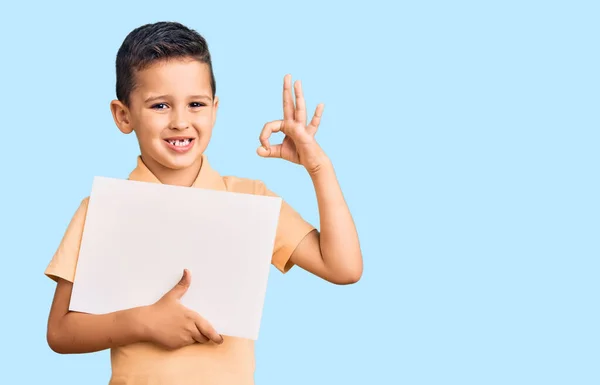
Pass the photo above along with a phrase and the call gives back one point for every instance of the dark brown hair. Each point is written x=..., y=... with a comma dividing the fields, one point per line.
x=150, y=43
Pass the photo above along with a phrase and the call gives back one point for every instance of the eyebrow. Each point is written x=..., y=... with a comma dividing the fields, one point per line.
x=153, y=98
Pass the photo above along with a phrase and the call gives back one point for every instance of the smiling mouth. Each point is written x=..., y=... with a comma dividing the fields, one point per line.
x=179, y=142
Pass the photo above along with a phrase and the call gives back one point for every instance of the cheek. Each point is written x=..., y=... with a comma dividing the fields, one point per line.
x=150, y=125
x=203, y=122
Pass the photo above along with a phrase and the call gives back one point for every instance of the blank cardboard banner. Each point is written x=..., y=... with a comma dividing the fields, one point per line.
x=138, y=238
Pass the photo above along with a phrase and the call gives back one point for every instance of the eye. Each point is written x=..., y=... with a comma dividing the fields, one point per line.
x=159, y=106
x=197, y=104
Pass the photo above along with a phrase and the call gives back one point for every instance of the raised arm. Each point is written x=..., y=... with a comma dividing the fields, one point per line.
x=334, y=254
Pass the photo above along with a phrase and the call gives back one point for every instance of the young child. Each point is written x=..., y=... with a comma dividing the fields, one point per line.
x=166, y=96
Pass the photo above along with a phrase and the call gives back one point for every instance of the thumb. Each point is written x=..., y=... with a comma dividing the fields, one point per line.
x=182, y=286
x=270, y=152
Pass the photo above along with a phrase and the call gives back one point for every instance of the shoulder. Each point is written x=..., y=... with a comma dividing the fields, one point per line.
x=83, y=205
x=80, y=215
x=244, y=185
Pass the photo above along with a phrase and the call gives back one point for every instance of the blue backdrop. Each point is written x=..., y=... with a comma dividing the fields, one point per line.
x=465, y=137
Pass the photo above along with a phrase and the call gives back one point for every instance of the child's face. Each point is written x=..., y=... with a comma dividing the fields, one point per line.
x=172, y=113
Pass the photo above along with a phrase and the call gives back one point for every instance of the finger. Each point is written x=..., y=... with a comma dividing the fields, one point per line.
x=182, y=286
x=270, y=152
x=268, y=130
x=300, y=113
x=288, y=102
x=198, y=337
x=316, y=120
x=207, y=330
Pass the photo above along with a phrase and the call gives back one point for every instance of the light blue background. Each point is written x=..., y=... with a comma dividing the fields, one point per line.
x=465, y=137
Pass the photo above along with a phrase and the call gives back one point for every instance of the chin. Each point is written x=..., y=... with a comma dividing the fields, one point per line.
x=182, y=162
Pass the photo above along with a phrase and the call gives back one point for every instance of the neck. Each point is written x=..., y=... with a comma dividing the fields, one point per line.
x=176, y=177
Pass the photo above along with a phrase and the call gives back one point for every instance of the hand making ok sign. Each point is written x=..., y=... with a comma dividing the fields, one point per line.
x=299, y=145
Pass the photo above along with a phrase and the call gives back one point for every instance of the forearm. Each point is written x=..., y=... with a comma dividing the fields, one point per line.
x=339, y=242
x=87, y=333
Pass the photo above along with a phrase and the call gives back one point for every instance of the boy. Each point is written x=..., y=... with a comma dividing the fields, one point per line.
x=166, y=96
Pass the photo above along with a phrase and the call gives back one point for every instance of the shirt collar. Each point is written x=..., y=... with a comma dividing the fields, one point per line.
x=207, y=178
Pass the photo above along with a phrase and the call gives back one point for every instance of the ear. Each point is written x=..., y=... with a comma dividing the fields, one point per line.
x=216, y=108
x=120, y=114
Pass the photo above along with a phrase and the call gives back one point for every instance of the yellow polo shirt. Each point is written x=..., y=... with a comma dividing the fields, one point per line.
x=210, y=364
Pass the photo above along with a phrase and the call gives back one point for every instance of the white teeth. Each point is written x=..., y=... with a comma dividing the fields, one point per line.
x=180, y=143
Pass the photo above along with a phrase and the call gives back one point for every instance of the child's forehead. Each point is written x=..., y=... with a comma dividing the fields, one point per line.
x=175, y=74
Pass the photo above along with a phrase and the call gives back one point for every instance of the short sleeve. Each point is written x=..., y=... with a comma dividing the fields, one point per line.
x=64, y=261
x=291, y=227
x=291, y=230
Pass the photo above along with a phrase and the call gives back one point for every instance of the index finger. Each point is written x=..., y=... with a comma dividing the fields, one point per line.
x=288, y=102
x=207, y=330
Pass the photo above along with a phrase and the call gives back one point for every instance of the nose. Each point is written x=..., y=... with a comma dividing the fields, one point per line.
x=179, y=120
